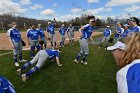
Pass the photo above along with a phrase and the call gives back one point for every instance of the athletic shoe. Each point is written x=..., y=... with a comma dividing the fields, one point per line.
x=85, y=63
x=23, y=60
x=105, y=49
x=99, y=47
x=52, y=47
x=24, y=77
x=17, y=64
x=62, y=46
x=82, y=62
x=60, y=65
x=76, y=61
x=72, y=44
x=19, y=72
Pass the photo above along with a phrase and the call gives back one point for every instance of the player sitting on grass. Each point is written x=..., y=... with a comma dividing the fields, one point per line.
x=40, y=58
x=85, y=33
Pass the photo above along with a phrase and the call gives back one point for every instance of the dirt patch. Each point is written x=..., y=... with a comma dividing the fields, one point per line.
x=5, y=44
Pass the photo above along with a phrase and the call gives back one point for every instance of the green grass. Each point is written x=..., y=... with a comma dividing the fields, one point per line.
x=97, y=77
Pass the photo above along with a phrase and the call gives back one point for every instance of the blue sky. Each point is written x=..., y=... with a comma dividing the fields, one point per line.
x=68, y=9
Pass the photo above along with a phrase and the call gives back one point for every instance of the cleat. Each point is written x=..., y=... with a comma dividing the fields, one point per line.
x=17, y=64
x=85, y=63
x=24, y=77
x=76, y=61
x=82, y=62
x=23, y=60
x=19, y=72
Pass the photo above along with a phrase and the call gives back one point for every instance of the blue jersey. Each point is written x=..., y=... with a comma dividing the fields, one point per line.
x=50, y=29
x=14, y=34
x=33, y=34
x=135, y=29
x=6, y=86
x=41, y=32
x=125, y=33
x=52, y=53
x=62, y=31
x=128, y=78
x=119, y=31
x=87, y=31
x=107, y=32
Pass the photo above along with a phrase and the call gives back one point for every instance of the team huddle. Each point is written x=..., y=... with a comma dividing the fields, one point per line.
x=37, y=39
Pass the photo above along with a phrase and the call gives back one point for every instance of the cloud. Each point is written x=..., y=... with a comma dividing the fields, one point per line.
x=6, y=6
x=133, y=8
x=98, y=10
x=48, y=12
x=76, y=10
x=68, y=17
x=93, y=1
x=36, y=6
x=121, y=2
x=25, y=2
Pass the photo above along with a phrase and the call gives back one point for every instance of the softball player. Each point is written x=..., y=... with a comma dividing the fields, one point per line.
x=85, y=33
x=40, y=59
x=62, y=31
x=126, y=30
x=51, y=32
x=70, y=33
x=134, y=25
x=16, y=42
x=42, y=36
x=118, y=32
x=6, y=86
x=107, y=34
x=33, y=39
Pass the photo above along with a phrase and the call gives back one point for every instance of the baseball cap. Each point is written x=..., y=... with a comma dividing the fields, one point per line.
x=125, y=25
x=92, y=20
x=108, y=26
x=118, y=45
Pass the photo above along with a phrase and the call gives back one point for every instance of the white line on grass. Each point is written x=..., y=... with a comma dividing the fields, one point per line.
x=27, y=48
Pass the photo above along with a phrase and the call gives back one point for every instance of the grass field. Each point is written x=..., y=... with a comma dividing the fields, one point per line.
x=97, y=77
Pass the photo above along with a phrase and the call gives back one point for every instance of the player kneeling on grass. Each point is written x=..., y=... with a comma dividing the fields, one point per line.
x=127, y=56
x=40, y=59
x=16, y=42
x=85, y=33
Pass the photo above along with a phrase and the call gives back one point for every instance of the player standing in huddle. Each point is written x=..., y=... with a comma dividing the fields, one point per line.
x=85, y=33
x=107, y=34
x=42, y=36
x=134, y=25
x=51, y=32
x=40, y=59
x=16, y=42
x=62, y=31
x=118, y=32
x=70, y=32
x=126, y=30
x=33, y=39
